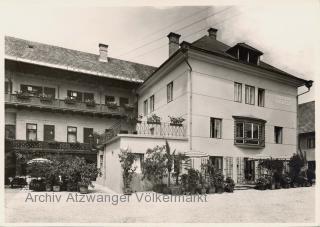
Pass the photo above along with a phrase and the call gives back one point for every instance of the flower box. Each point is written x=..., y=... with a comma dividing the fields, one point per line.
x=45, y=98
x=90, y=103
x=23, y=95
x=112, y=105
x=176, y=121
x=154, y=119
x=70, y=100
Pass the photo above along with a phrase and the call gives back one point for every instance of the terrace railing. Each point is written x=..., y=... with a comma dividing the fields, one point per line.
x=61, y=104
x=26, y=145
x=146, y=129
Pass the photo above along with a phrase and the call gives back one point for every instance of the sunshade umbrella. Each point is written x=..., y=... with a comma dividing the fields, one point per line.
x=38, y=160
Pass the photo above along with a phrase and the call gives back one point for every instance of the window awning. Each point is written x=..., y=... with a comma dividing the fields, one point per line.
x=249, y=118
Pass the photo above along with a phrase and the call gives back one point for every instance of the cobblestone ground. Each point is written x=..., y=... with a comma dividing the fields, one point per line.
x=276, y=206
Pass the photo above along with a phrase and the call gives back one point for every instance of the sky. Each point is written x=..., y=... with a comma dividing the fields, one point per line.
x=286, y=33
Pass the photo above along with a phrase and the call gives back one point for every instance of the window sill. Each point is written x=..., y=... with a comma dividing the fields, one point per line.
x=251, y=146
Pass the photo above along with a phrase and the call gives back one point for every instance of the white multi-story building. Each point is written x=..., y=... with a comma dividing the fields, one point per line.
x=238, y=110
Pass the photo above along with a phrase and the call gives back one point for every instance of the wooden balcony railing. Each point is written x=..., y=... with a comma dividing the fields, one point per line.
x=58, y=104
x=54, y=146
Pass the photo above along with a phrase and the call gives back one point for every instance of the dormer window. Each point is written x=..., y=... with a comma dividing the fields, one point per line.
x=245, y=53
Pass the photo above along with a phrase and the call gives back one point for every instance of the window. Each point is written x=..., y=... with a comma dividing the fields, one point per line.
x=50, y=92
x=249, y=131
x=75, y=95
x=72, y=134
x=237, y=92
x=8, y=87
x=48, y=132
x=311, y=143
x=33, y=90
x=278, y=135
x=10, y=131
x=215, y=128
x=109, y=99
x=124, y=101
x=261, y=97
x=138, y=162
x=101, y=162
x=31, y=131
x=170, y=92
x=217, y=162
x=87, y=135
x=250, y=95
x=88, y=96
x=151, y=103
x=145, y=107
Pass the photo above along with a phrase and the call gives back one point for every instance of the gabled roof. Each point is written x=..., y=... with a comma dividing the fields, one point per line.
x=73, y=60
x=306, y=116
x=211, y=44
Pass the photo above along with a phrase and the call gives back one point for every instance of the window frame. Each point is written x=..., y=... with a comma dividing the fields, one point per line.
x=151, y=103
x=263, y=95
x=275, y=135
x=27, y=131
x=241, y=137
x=123, y=101
x=44, y=134
x=237, y=85
x=145, y=107
x=107, y=98
x=213, y=133
x=251, y=100
x=75, y=133
x=311, y=142
x=170, y=92
x=10, y=128
x=84, y=137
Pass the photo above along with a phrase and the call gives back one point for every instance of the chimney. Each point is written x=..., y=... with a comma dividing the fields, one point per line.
x=213, y=32
x=173, y=42
x=103, y=50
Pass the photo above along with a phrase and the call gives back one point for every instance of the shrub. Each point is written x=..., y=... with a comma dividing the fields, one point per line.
x=154, y=166
x=127, y=159
x=262, y=183
x=229, y=185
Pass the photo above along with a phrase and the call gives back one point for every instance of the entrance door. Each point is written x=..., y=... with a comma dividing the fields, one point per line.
x=249, y=167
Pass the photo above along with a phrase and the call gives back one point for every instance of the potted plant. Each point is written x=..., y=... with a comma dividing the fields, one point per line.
x=127, y=159
x=193, y=180
x=176, y=121
x=112, y=105
x=23, y=95
x=90, y=103
x=184, y=183
x=154, y=119
x=87, y=173
x=229, y=185
x=212, y=187
x=70, y=100
x=45, y=98
x=261, y=183
x=219, y=184
x=285, y=181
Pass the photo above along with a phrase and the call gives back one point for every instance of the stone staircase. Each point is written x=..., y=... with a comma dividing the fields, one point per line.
x=244, y=186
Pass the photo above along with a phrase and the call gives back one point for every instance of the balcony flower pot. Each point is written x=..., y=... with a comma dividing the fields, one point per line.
x=70, y=101
x=56, y=188
x=176, y=124
x=112, y=105
x=45, y=98
x=90, y=103
x=154, y=119
x=23, y=95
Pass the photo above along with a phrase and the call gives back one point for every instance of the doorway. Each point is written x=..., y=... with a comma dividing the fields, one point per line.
x=249, y=173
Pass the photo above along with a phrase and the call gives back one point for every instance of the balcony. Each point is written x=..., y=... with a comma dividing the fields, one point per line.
x=148, y=130
x=63, y=106
x=25, y=146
